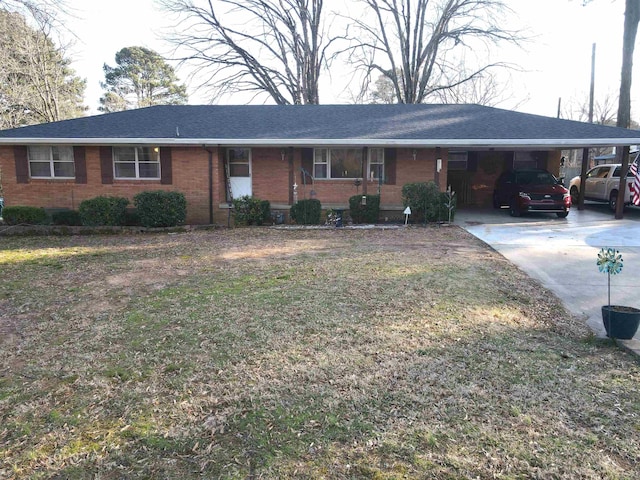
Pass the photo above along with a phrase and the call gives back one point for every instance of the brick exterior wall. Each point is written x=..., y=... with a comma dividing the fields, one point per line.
x=272, y=179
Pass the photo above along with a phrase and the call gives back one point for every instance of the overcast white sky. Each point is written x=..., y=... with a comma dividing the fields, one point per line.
x=556, y=62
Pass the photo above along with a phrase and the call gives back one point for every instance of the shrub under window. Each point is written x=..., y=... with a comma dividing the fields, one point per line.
x=104, y=211
x=161, y=208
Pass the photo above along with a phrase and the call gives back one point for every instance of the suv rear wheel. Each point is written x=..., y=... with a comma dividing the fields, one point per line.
x=613, y=200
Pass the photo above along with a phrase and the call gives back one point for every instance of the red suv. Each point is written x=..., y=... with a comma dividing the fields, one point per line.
x=531, y=190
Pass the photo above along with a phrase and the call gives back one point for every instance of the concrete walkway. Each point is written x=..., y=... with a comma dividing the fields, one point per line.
x=562, y=253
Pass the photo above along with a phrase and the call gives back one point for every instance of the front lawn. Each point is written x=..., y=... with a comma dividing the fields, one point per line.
x=263, y=353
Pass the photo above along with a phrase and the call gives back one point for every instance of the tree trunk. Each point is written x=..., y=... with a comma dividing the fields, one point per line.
x=631, y=18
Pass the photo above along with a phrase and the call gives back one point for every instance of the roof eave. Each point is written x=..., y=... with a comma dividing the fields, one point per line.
x=309, y=142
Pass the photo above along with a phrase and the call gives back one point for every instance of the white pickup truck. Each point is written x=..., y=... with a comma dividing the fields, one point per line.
x=602, y=184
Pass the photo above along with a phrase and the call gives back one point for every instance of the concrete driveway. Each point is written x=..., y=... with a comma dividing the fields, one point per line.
x=561, y=253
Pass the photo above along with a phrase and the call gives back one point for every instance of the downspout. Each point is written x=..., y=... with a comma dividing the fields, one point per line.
x=210, y=183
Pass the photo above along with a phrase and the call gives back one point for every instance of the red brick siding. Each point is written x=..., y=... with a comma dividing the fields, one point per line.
x=270, y=175
x=190, y=175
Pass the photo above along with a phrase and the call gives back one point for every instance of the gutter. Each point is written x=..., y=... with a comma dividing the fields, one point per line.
x=312, y=142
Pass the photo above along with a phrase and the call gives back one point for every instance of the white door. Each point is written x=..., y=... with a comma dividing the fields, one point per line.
x=239, y=171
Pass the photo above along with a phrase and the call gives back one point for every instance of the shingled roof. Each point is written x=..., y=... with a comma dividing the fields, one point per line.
x=308, y=125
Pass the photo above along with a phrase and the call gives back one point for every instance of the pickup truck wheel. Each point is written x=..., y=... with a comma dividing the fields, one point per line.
x=562, y=214
x=513, y=209
x=613, y=200
x=575, y=193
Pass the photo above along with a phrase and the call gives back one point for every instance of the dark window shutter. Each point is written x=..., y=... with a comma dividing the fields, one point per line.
x=80, y=161
x=106, y=164
x=390, y=166
x=166, y=177
x=307, y=161
x=472, y=161
x=22, y=163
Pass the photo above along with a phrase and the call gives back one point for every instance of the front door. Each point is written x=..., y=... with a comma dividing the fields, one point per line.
x=239, y=160
x=596, y=182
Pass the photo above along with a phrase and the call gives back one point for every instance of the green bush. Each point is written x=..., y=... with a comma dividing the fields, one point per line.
x=251, y=211
x=426, y=201
x=160, y=208
x=306, y=212
x=368, y=213
x=24, y=215
x=66, y=217
x=99, y=211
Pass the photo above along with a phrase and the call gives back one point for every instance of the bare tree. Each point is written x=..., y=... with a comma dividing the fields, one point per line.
x=414, y=44
x=277, y=47
x=480, y=89
x=604, y=110
x=36, y=83
x=42, y=11
x=631, y=20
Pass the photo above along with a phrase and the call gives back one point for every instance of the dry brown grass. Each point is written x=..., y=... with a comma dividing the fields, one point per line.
x=262, y=353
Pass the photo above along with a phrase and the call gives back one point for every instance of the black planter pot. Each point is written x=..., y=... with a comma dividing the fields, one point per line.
x=620, y=322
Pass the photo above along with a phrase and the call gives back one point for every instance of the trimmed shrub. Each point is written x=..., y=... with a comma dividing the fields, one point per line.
x=66, y=217
x=306, y=212
x=251, y=211
x=109, y=211
x=24, y=215
x=368, y=213
x=427, y=202
x=160, y=208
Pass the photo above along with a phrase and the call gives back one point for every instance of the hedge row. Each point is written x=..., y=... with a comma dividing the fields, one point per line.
x=152, y=209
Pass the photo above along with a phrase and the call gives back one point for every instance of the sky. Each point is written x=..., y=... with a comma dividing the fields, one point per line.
x=555, y=62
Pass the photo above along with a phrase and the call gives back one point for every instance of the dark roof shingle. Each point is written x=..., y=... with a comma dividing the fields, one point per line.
x=425, y=124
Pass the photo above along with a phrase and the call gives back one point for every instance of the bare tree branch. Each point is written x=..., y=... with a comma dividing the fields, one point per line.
x=416, y=40
x=277, y=47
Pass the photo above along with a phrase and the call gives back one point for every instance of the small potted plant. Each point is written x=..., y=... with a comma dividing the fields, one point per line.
x=619, y=321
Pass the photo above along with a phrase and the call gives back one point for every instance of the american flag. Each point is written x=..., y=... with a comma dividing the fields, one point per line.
x=634, y=186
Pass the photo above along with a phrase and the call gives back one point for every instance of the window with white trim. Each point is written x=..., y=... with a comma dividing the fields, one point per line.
x=51, y=161
x=376, y=163
x=338, y=163
x=239, y=162
x=136, y=162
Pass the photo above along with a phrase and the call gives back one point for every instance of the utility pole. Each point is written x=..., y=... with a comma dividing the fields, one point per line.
x=585, y=151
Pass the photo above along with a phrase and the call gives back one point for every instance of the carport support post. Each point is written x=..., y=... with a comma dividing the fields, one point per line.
x=622, y=188
x=583, y=177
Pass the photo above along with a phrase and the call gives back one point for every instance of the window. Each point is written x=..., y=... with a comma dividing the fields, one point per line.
x=600, y=172
x=376, y=163
x=51, y=162
x=457, y=161
x=524, y=160
x=239, y=162
x=136, y=162
x=337, y=163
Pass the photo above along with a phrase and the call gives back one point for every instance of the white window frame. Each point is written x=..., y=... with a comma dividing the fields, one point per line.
x=235, y=161
x=51, y=160
x=379, y=161
x=136, y=162
x=328, y=162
